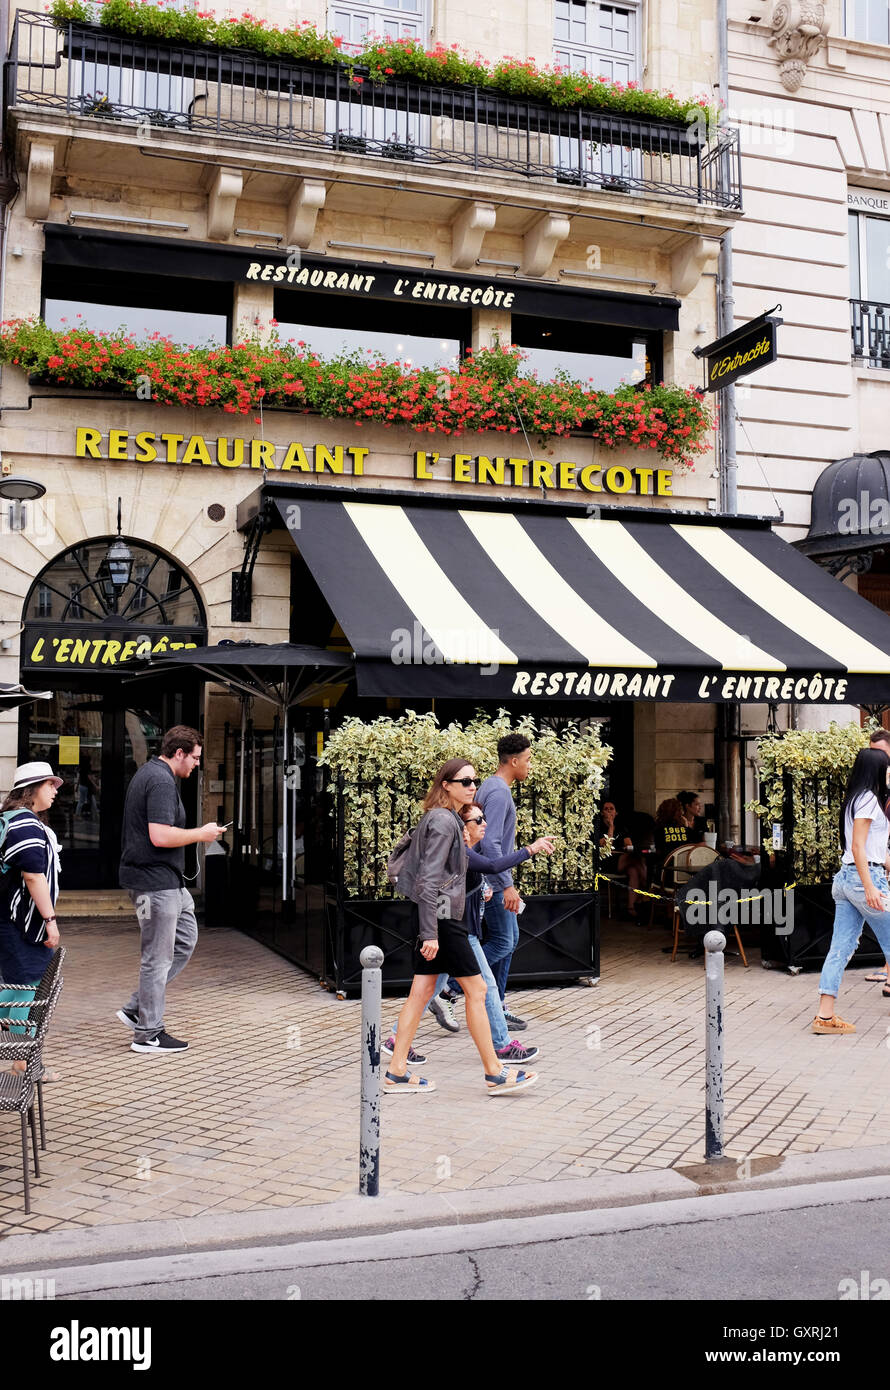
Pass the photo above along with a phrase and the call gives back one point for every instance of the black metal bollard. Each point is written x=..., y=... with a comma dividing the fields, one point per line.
x=714, y=944
x=369, y=1147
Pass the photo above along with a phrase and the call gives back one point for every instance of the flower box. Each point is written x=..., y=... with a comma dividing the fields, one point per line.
x=482, y=105
x=559, y=940
x=350, y=144
x=394, y=149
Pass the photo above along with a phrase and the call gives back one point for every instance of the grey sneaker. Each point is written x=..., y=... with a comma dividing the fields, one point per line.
x=518, y=1024
x=442, y=1011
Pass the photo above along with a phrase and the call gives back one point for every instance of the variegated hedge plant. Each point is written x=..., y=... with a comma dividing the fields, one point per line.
x=387, y=765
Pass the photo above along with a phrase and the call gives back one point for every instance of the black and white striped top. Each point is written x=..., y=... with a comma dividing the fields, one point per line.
x=30, y=847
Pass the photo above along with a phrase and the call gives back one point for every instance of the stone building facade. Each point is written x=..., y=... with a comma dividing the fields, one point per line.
x=115, y=202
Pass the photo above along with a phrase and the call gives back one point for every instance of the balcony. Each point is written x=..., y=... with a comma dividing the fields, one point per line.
x=870, y=327
x=83, y=71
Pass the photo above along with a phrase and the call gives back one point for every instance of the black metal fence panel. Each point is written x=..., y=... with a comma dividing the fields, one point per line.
x=86, y=71
x=870, y=327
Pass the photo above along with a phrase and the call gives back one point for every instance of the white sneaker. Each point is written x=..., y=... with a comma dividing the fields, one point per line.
x=442, y=1011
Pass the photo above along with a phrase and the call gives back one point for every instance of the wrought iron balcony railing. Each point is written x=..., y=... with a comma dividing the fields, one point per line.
x=83, y=70
x=870, y=326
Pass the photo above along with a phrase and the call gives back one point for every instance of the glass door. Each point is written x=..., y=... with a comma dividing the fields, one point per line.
x=280, y=863
x=603, y=41
x=68, y=732
x=97, y=740
x=377, y=126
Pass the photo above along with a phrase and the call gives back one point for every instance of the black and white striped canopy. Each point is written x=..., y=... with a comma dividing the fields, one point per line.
x=474, y=601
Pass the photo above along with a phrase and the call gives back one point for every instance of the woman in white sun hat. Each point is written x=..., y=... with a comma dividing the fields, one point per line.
x=29, y=886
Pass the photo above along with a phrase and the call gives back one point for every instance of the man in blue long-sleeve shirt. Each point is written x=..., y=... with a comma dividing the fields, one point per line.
x=496, y=799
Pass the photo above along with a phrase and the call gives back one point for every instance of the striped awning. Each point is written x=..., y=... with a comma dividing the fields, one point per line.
x=476, y=601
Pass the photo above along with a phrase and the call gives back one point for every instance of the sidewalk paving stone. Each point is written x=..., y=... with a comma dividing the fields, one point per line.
x=245, y=1122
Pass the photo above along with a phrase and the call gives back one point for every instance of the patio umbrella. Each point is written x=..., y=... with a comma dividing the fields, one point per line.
x=12, y=696
x=282, y=673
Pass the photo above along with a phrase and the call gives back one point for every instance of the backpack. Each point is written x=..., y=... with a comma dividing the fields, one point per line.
x=5, y=819
x=398, y=856
x=404, y=857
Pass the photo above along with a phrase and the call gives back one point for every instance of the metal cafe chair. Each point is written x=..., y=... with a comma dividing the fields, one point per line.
x=615, y=880
x=676, y=871
x=18, y=1089
x=699, y=857
x=42, y=993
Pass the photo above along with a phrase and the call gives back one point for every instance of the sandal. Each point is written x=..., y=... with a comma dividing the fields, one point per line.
x=509, y=1082
x=885, y=991
x=407, y=1084
x=876, y=977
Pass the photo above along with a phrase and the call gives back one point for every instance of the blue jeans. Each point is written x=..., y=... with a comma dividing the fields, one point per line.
x=493, y=1006
x=501, y=940
x=850, y=912
x=500, y=1035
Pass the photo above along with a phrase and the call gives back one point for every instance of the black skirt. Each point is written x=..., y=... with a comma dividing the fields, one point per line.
x=455, y=954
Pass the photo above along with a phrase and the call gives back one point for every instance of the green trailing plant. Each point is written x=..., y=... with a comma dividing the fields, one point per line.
x=382, y=58
x=387, y=765
x=803, y=774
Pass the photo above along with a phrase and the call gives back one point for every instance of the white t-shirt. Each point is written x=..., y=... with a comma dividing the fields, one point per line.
x=867, y=807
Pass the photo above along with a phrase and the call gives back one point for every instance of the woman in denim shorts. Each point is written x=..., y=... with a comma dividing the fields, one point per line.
x=860, y=889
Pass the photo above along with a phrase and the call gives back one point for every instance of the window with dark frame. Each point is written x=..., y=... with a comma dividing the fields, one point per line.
x=869, y=245
x=190, y=311
x=603, y=354
x=420, y=335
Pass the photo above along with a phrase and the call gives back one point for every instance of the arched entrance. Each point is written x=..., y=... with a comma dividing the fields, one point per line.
x=89, y=616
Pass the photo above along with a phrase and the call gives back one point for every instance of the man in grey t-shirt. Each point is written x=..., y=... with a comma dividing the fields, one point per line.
x=153, y=840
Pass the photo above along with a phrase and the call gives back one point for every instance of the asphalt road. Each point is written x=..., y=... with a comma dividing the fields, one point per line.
x=813, y=1243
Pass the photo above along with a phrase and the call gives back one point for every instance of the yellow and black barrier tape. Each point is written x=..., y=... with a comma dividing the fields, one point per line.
x=666, y=897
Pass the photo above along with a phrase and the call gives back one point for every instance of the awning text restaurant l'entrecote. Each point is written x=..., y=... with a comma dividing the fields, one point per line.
x=486, y=601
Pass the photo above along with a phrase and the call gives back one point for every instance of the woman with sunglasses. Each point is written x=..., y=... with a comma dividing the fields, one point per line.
x=438, y=887
x=508, y=1049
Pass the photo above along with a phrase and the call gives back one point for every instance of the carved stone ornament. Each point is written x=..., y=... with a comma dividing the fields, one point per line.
x=800, y=29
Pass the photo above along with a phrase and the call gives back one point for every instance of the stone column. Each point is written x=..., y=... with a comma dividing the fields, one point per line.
x=252, y=311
